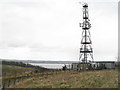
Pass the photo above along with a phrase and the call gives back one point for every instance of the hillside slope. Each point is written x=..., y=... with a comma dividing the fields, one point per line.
x=72, y=79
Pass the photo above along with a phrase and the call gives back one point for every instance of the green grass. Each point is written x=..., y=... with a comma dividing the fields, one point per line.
x=72, y=79
x=9, y=71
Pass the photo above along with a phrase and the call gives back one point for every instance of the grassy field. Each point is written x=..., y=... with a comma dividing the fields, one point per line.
x=12, y=74
x=9, y=71
x=26, y=77
x=71, y=79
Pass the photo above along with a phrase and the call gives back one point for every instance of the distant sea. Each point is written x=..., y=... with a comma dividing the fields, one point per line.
x=45, y=63
x=51, y=66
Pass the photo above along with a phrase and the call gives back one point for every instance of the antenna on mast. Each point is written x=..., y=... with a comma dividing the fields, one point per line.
x=83, y=3
x=86, y=49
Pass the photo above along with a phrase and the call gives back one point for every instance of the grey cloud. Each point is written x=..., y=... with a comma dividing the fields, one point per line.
x=14, y=44
x=25, y=3
x=10, y=44
x=43, y=48
x=31, y=4
x=38, y=47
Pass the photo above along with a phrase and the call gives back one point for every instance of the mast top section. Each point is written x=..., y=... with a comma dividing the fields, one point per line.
x=84, y=4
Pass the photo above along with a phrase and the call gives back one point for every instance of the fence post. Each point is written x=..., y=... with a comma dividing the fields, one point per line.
x=3, y=85
x=22, y=78
x=8, y=82
x=14, y=81
x=19, y=79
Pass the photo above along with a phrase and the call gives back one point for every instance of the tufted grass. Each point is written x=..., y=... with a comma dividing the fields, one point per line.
x=72, y=79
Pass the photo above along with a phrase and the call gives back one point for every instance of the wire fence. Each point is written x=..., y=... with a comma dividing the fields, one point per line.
x=6, y=83
x=9, y=82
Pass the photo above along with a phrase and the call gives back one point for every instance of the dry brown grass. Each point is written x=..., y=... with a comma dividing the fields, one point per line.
x=72, y=79
x=9, y=71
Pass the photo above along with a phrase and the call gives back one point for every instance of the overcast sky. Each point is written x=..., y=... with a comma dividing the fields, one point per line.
x=49, y=29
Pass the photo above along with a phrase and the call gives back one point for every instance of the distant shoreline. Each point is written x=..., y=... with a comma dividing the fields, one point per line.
x=41, y=61
x=47, y=61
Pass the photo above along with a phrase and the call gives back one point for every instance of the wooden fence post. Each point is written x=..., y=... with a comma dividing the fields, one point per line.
x=8, y=82
x=14, y=81
x=3, y=85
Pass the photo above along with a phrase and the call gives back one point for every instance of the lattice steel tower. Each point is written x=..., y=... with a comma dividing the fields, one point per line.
x=86, y=51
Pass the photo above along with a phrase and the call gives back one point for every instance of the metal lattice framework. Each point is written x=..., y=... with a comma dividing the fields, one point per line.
x=86, y=51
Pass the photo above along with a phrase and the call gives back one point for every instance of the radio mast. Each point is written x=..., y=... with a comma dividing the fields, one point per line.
x=86, y=50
